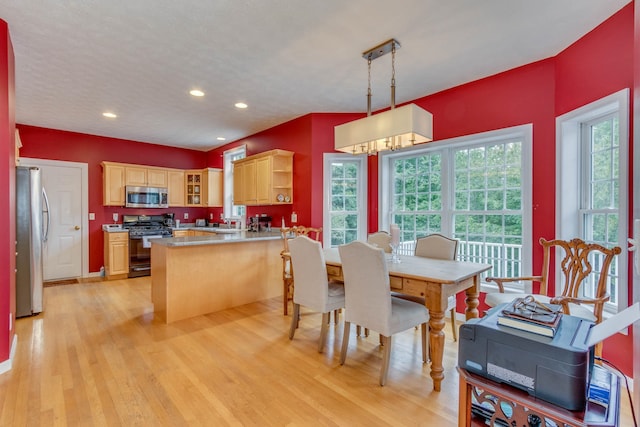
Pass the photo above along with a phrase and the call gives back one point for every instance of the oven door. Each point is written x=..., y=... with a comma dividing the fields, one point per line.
x=140, y=255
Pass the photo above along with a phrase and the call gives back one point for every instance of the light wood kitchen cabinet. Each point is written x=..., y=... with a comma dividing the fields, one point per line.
x=145, y=176
x=113, y=182
x=215, y=189
x=194, y=187
x=175, y=186
x=116, y=254
x=264, y=179
x=182, y=233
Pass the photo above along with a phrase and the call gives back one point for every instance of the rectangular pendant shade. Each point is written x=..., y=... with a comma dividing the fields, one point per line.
x=390, y=130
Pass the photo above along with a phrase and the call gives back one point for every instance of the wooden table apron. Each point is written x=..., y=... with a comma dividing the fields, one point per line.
x=435, y=280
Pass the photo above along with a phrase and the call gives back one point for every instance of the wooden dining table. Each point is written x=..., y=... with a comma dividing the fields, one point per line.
x=434, y=280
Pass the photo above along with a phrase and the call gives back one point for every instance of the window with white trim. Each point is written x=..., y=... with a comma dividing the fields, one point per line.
x=229, y=156
x=476, y=189
x=591, y=164
x=345, y=201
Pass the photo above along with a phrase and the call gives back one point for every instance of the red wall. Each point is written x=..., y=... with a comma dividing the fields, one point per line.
x=7, y=196
x=597, y=65
x=53, y=144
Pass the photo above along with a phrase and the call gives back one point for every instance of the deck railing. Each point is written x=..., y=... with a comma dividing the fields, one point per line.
x=506, y=259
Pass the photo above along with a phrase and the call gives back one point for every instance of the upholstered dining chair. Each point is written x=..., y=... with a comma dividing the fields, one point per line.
x=381, y=239
x=436, y=246
x=313, y=290
x=287, y=271
x=576, y=257
x=368, y=301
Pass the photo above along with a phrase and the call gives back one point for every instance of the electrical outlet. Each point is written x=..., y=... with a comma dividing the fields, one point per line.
x=211, y=216
x=186, y=215
x=92, y=216
x=294, y=217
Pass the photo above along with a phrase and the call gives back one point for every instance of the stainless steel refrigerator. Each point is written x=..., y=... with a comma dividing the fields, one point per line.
x=32, y=224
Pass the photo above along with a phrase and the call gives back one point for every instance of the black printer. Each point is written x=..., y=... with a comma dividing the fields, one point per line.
x=555, y=369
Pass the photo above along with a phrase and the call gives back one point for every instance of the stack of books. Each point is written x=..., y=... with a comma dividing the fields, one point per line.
x=527, y=314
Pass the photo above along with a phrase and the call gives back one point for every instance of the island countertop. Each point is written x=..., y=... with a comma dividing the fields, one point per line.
x=221, y=238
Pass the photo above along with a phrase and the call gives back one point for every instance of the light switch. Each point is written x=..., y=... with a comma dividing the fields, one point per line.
x=92, y=216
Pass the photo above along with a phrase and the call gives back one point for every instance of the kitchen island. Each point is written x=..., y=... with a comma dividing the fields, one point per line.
x=196, y=275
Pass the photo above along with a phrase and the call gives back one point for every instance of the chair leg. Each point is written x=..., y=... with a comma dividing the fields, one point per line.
x=345, y=342
x=425, y=343
x=294, y=320
x=366, y=332
x=385, y=359
x=285, y=297
x=453, y=324
x=323, y=330
x=358, y=330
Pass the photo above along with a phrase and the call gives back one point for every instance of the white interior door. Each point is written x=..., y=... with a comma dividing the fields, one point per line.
x=64, y=250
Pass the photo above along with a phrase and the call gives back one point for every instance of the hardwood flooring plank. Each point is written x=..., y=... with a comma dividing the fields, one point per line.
x=97, y=356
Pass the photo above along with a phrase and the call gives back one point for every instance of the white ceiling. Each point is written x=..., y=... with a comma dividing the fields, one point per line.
x=285, y=58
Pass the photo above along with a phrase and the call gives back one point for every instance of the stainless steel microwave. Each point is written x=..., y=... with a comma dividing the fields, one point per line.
x=146, y=197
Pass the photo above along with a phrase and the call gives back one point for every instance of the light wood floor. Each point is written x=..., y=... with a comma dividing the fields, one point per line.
x=97, y=357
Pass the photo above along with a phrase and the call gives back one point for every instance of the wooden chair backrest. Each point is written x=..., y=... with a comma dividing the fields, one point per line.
x=575, y=267
x=310, y=232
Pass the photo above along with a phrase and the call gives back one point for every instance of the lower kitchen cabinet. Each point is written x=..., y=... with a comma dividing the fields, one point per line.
x=116, y=254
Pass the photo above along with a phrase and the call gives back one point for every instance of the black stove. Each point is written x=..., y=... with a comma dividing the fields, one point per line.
x=145, y=225
x=142, y=229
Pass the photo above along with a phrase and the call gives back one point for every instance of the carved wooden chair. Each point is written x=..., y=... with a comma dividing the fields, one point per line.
x=576, y=266
x=287, y=269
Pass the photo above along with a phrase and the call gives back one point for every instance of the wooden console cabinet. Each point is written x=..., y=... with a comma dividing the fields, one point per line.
x=506, y=405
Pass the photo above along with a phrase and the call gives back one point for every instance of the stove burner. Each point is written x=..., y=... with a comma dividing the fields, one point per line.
x=139, y=226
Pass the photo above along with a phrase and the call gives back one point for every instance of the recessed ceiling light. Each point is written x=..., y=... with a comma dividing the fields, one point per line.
x=196, y=92
x=241, y=105
x=221, y=138
x=109, y=115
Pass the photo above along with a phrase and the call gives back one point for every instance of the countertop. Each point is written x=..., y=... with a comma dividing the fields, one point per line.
x=236, y=237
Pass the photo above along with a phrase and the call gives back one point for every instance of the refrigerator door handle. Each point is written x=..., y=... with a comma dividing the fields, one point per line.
x=45, y=211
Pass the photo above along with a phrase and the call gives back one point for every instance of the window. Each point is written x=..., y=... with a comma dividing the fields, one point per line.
x=231, y=210
x=345, y=202
x=591, y=164
x=476, y=189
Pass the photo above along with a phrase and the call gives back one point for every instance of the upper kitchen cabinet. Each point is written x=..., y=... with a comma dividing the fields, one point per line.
x=145, y=176
x=176, y=187
x=215, y=181
x=194, y=187
x=264, y=179
x=113, y=184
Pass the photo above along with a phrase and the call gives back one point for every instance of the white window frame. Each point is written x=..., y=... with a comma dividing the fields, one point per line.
x=229, y=209
x=568, y=177
x=522, y=132
x=328, y=160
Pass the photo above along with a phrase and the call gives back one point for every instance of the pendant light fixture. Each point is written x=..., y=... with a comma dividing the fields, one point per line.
x=393, y=129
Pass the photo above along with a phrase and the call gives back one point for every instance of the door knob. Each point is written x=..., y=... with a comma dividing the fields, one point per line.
x=77, y=227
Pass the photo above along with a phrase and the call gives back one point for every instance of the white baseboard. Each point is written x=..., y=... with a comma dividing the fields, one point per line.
x=8, y=364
